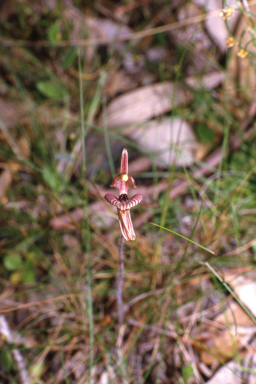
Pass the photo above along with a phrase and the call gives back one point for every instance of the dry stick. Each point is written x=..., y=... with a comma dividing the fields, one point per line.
x=120, y=279
x=21, y=366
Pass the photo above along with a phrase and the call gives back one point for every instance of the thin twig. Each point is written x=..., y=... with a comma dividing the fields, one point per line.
x=120, y=279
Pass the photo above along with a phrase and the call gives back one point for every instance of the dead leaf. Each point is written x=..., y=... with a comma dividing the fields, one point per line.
x=209, y=81
x=237, y=372
x=154, y=100
x=143, y=104
x=24, y=146
x=244, y=287
x=5, y=180
x=106, y=321
x=167, y=141
x=247, y=294
x=235, y=315
x=224, y=344
x=221, y=343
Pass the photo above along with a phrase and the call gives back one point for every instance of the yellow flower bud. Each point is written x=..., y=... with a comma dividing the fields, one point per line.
x=230, y=42
x=226, y=13
x=242, y=53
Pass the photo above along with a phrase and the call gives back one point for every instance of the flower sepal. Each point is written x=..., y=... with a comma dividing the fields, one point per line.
x=123, y=182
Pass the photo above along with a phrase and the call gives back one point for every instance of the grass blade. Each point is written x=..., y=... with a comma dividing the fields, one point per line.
x=177, y=234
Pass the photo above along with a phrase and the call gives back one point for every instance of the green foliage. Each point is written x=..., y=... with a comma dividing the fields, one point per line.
x=160, y=39
x=36, y=370
x=28, y=275
x=52, y=179
x=244, y=158
x=204, y=134
x=50, y=90
x=12, y=262
x=6, y=360
x=54, y=33
x=187, y=372
x=69, y=58
x=21, y=270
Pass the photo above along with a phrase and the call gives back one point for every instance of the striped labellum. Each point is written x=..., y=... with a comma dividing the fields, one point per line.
x=123, y=182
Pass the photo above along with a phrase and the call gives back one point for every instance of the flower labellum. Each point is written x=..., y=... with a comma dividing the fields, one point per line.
x=123, y=182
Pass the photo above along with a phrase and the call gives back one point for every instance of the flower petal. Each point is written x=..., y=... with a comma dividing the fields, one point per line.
x=126, y=226
x=111, y=199
x=136, y=199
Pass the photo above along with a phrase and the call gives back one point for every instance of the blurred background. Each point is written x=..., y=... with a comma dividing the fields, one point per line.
x=174, y=83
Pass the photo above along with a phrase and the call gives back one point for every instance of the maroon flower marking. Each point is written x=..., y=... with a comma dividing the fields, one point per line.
x=123, y=182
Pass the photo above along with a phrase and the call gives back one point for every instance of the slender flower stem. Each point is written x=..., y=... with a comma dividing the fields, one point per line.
x=123, y=182
x=120, y=279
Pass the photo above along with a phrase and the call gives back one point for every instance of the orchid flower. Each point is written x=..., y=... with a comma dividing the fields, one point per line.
x=123, y=182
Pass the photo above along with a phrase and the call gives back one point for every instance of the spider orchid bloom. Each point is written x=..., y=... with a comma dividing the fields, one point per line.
x=123, y=182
